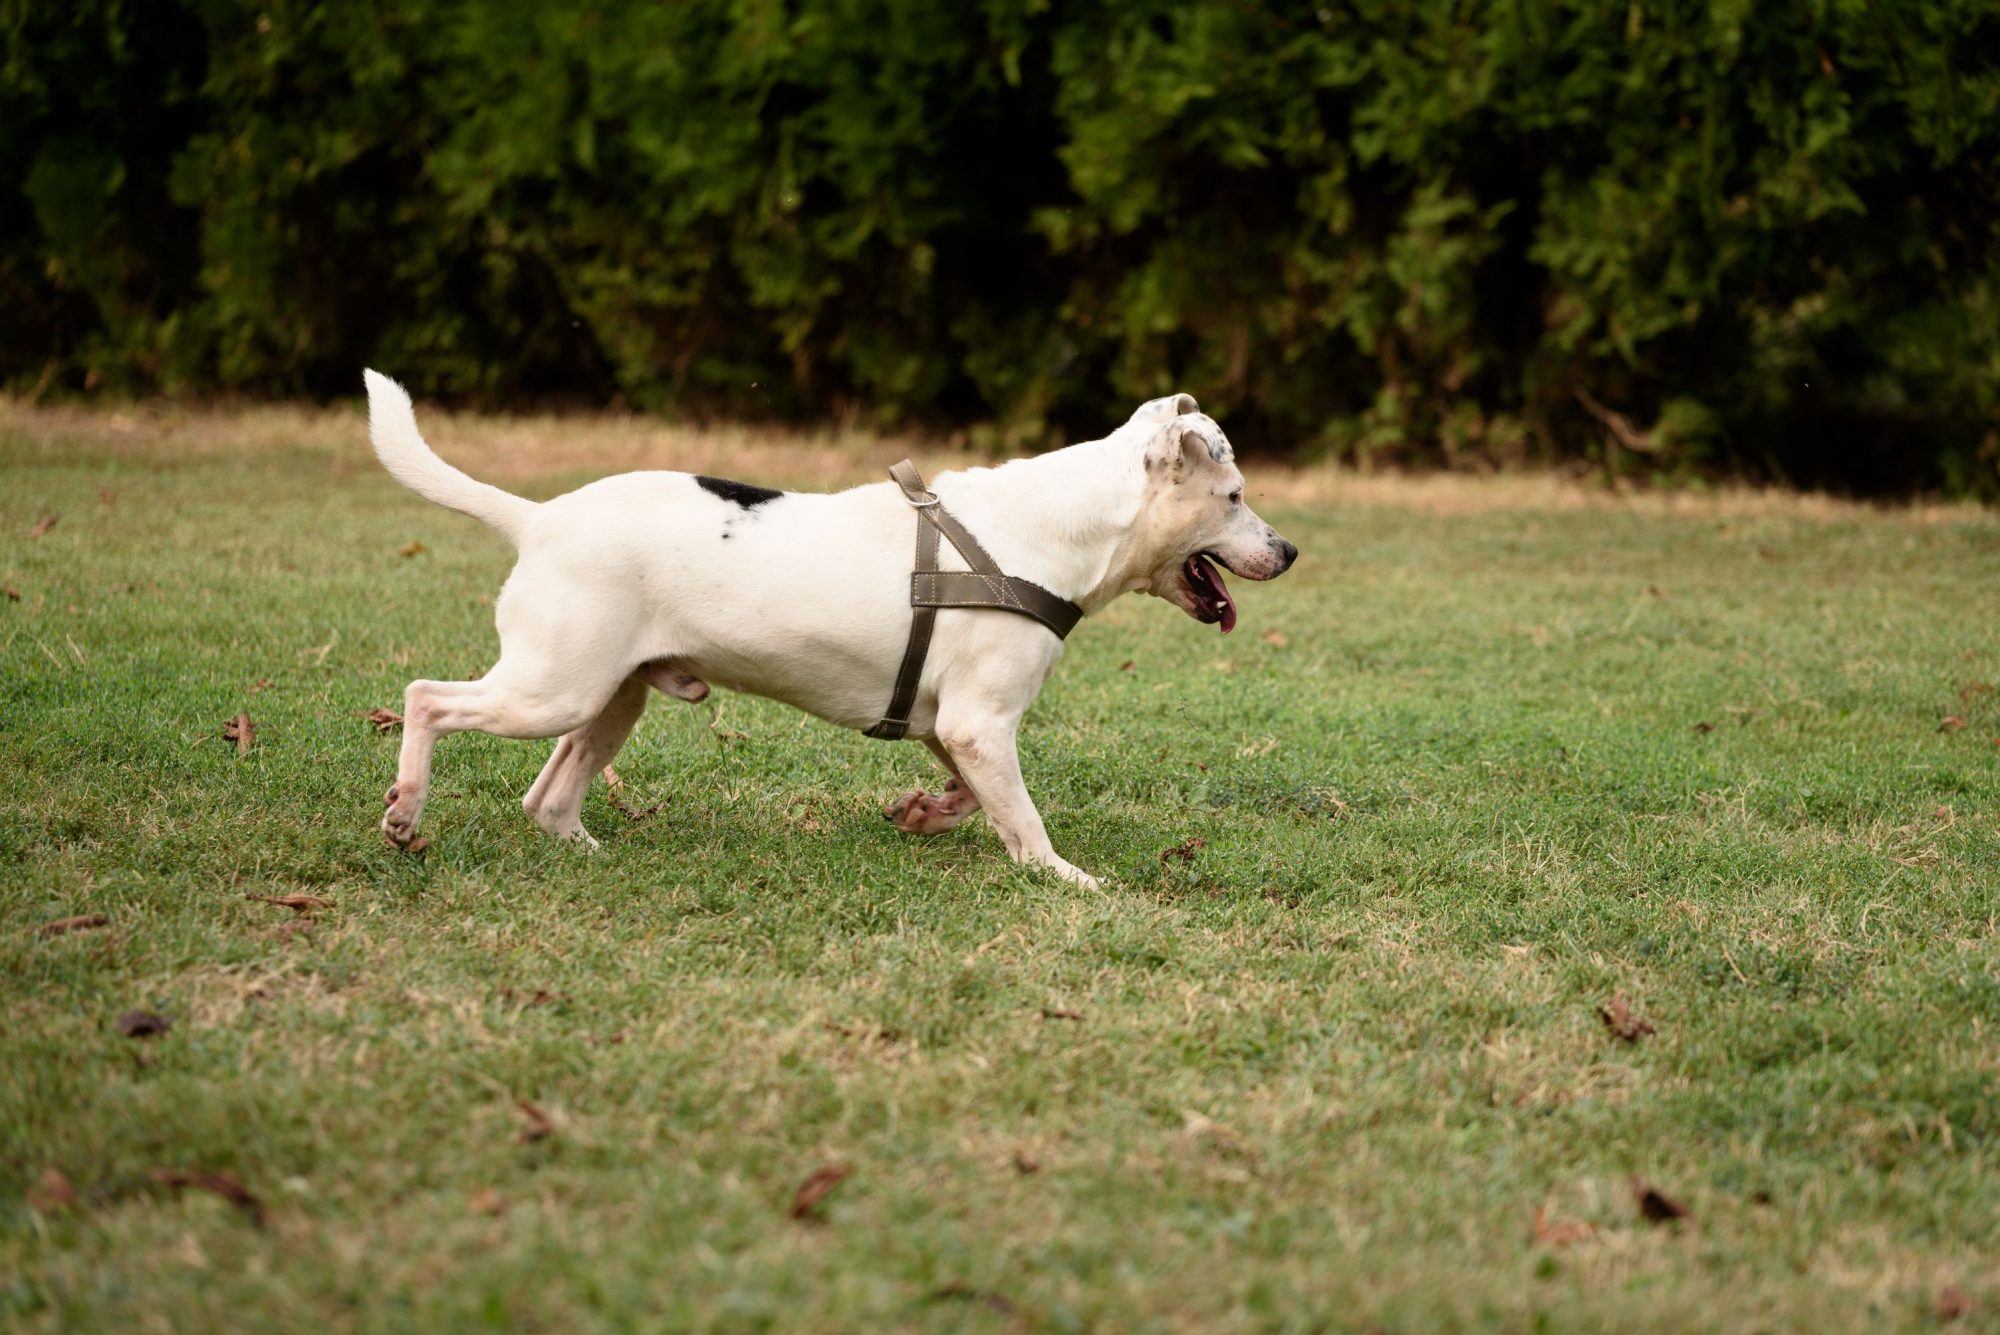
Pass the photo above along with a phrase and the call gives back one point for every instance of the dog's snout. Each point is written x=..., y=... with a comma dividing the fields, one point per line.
x=1288, y=552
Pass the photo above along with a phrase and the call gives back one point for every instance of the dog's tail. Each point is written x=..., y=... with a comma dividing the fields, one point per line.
x=392, y=425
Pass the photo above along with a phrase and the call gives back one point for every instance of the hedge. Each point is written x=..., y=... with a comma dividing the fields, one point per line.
x=1673, y=239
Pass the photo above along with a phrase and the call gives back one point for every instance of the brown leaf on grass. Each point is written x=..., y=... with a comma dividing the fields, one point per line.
x=296, y=903
x=1655, y=1205
x=43, y=525
x=1559, y=1232
x=13, y=594
x=1026, y=1164
x=241, y=731
x=226, y=1185
x=51, y=1192
x=485, y=1201
x=1953, y=1303
x=1184, y=851
x=1623, y=1024
x=538, y=997
x=633, y=814
x=81, y=922
x=1704, y=726
x=418, y=845
x=1058, y=1013
x=261, y=684
x=1125, y=666
x=1277, y=639
x=1952, y=723
x=143, y=1024
x=535, y=1123
x=412, y=548
x=384, y=720
x=1973, y=690
x=815, y=1188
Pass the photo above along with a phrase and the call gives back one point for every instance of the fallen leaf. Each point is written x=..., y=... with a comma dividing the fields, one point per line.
x=143, y=1024
x=1952, y=723
x=1618, y=1018
x=1057, y=1013
x=43, y=525
x=1025, y=1164
x=1277, y=639
x=13, y=594
x=485, y=1201
x=81, y=922
x=1704, y=726
x=1953, y=1303
x=1972, y=690
x=634, y=815
x=261, y=684
x=815, y=1188
x=226, y=1185
x=385, y=720
x=296, y=903
x=536, y=998
x=241, y=731
x=1653, y=1204
x=51, y=1192
x=1125, y=666
x=1559, y=1232
x=1184, y=851
x=537, y=1124
x=412, y=548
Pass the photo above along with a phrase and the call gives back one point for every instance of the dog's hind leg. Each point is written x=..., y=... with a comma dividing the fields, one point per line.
x=919, y=812
x=519, y=697
x=556, y=798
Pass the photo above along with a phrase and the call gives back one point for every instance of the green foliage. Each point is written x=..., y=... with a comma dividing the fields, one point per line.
x=1665, y=237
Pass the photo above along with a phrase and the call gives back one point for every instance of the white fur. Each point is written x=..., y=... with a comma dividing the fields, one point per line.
x=630, y=582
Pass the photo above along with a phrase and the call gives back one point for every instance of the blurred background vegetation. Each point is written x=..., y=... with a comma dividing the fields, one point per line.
x=1674, y=239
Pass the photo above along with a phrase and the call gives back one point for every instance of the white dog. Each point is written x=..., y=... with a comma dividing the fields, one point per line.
x=670, y=581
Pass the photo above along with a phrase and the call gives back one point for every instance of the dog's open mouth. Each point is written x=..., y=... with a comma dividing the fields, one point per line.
x=1212, y=602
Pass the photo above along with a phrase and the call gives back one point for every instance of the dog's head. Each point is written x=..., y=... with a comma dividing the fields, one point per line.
x=1193, y=517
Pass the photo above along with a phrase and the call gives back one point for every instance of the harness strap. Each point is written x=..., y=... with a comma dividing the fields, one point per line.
x=984, y=585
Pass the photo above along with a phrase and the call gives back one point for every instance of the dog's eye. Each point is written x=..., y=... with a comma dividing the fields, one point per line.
x=1236, y=497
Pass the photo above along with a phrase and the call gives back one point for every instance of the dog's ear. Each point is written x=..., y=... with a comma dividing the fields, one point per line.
x=1165, y=410
x=1185, y=445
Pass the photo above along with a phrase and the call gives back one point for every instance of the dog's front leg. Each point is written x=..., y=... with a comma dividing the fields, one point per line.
x=983, y=748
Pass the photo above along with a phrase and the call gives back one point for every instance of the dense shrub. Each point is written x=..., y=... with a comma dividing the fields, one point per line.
x=1669, y=237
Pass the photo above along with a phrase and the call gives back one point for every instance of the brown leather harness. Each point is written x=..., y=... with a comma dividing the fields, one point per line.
x=930, y=588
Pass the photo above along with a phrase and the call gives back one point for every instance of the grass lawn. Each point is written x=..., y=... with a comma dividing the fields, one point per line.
x=1492, y=755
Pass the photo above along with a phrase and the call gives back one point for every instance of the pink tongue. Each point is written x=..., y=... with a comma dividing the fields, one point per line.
x=1205, y=570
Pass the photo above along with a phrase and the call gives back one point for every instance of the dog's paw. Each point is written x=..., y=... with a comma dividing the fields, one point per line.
x=918, y=812
x=399, y=823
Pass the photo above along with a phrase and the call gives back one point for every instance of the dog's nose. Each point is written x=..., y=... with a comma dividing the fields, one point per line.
x=1290, y=552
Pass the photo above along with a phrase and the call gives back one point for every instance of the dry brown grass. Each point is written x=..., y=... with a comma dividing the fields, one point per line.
x=527, y=449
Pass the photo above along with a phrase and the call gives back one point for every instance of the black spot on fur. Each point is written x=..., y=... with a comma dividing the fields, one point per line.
x=744, y=494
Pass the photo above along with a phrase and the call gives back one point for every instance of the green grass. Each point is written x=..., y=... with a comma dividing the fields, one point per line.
x=1326, y=1071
